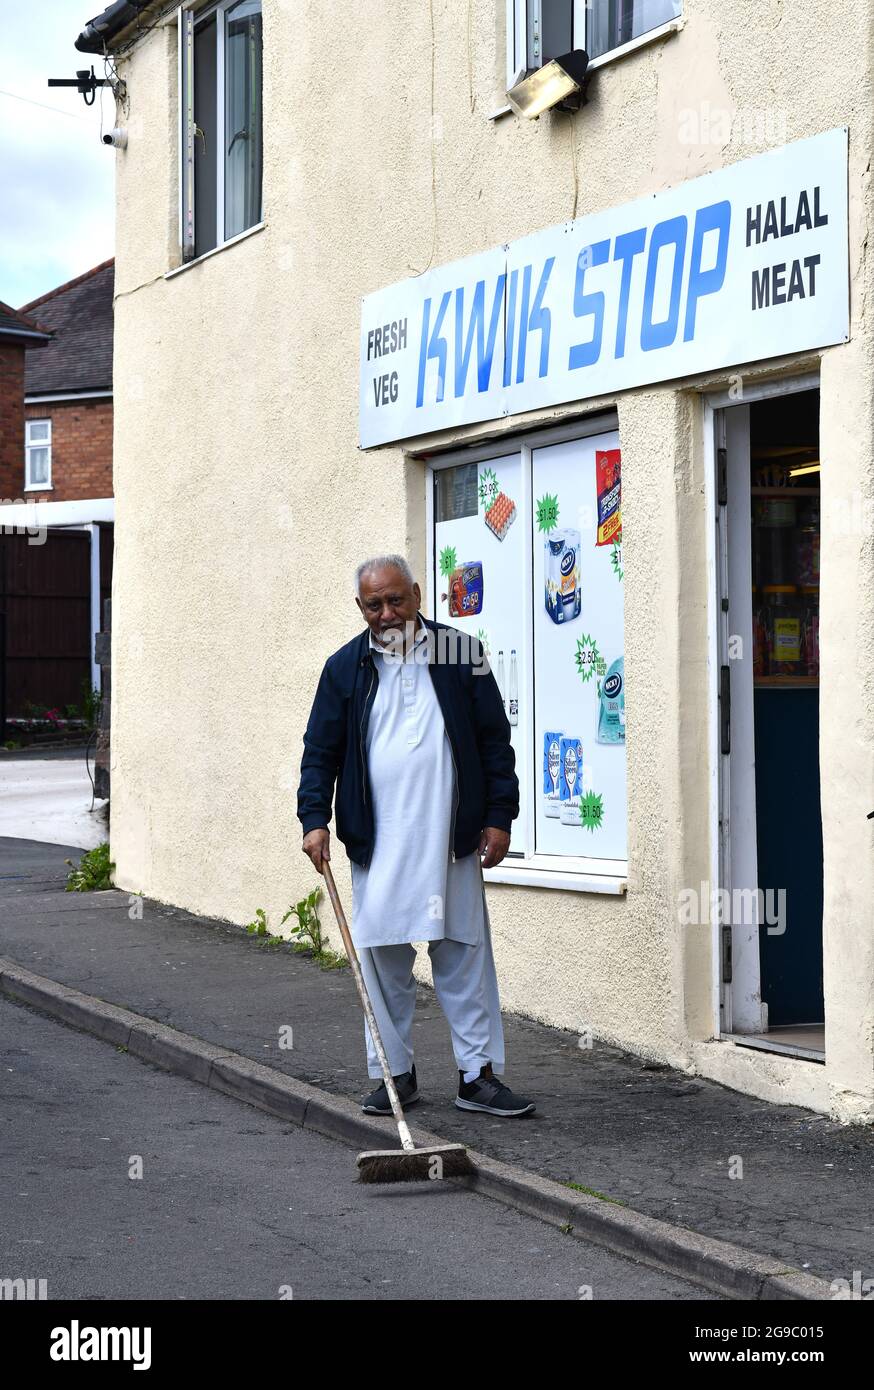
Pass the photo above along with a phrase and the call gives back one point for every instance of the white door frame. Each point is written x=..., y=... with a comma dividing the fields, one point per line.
x=736, y=1004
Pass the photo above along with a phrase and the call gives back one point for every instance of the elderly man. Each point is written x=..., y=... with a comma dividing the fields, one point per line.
x=408, y=721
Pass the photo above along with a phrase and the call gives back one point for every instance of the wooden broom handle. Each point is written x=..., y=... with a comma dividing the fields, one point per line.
x=403, y=1128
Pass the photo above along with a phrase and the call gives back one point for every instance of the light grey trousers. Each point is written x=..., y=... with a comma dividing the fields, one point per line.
x=466, y=986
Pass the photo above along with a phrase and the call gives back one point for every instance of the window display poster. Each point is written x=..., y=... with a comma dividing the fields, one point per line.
x=579, y=669
x=481, y=587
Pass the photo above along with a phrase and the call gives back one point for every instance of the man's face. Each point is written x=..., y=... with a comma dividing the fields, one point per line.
x=388, y=601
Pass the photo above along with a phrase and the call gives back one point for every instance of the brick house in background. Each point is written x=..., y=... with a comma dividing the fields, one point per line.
x=68, y=387
x=56, y=472
x=19, y=336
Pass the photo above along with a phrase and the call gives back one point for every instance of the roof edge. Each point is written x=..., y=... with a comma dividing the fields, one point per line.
x=23, y=326
x=67, y=285
x=100, y=31
x=34, y=338
x=62, y=397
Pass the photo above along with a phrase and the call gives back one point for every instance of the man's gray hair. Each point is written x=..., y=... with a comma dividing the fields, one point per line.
x=383, y=562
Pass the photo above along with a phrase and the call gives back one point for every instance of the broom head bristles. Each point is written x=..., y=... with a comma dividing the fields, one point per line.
x=415, y=1165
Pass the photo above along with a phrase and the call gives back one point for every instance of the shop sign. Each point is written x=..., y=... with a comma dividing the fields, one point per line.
x=742, y=264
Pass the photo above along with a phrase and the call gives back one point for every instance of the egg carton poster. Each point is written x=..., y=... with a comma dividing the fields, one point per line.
x=499, y=509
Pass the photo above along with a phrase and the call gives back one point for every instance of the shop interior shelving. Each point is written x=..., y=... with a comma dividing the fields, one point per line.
x=787, y=489
x=784, y=682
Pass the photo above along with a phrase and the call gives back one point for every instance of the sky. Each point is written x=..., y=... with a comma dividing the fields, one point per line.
x=57, y=216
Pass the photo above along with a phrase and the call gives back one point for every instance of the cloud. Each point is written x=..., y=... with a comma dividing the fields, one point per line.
x=57, y=215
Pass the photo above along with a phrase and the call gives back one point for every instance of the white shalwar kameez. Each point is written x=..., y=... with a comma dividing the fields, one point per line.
x=412, y=889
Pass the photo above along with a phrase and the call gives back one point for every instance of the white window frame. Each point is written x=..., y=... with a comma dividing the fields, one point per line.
x=519, y=61
x=29, y=446
x=583, y=874
x=186, y=177
x=517, y=38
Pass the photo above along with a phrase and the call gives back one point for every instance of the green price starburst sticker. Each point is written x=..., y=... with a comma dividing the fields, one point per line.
x=547, y=512
x=447, y=560
x=592, y=811
x=616, y=558
x=488, y=487
x=588, y=657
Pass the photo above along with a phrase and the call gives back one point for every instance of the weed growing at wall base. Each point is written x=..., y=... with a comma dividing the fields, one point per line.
x=93, y=874
x=306, y=934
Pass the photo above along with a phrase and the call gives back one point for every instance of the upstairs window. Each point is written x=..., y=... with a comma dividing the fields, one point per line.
x=613, y=23
x=220, y=57
x=37, y=454
x=540, y=30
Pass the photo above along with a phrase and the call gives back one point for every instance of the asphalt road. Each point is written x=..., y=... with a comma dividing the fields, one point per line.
x=234, y=1204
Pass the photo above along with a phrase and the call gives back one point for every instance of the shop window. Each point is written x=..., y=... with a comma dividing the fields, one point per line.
x=540, y=30
x=37, y=455
x=527, y=551
x=221, y=114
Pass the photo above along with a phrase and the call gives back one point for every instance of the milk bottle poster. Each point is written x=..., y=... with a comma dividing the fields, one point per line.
x=528, y=558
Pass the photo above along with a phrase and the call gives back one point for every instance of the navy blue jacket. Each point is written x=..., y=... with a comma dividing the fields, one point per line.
x=335, y=747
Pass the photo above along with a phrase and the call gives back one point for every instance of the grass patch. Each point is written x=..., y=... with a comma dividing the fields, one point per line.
x=592, y=1192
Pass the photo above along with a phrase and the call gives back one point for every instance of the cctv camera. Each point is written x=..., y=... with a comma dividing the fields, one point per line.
x=117, y=137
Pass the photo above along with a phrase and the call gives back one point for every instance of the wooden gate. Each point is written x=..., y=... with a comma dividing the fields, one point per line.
x=45, y=600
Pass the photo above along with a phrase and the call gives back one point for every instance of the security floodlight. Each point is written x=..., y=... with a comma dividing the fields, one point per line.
x=561, y=82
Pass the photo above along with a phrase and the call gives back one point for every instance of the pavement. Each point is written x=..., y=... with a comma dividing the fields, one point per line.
x=46, y=794
x=632, y=1155
x=124, y=1182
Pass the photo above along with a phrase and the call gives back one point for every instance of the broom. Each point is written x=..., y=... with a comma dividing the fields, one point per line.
x=408, y=1164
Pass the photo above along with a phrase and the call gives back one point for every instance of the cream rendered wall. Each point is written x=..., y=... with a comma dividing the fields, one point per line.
x=243, y=502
